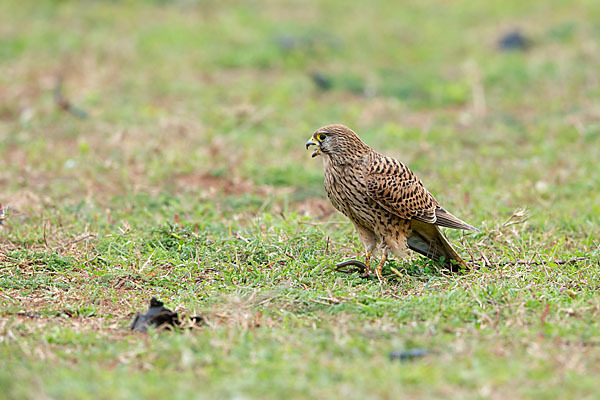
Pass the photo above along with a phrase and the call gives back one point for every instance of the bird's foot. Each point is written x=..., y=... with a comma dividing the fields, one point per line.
x=380, y=267
x=378, y=274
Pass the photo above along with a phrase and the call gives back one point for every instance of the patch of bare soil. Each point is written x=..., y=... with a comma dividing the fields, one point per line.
x=315, y=207
x=212, y=185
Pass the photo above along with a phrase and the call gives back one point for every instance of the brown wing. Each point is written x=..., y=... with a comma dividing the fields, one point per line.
x=397, y=189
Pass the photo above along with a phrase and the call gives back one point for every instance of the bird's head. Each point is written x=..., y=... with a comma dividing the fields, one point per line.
x=337, y=141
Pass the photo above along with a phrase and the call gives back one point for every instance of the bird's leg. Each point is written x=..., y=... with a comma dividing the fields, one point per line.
x=380, y=265
x=367, y=271
x=368, y=258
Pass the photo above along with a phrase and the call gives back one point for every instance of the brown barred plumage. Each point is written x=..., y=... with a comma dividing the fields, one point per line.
x=384, y=199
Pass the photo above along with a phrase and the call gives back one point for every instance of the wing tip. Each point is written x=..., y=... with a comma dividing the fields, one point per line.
x=448, y=220
x=472, y=228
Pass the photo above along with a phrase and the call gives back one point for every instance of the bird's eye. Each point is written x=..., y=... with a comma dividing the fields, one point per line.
x=322, y=136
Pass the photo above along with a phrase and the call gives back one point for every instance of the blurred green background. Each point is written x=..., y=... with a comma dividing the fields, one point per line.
x=226, y=88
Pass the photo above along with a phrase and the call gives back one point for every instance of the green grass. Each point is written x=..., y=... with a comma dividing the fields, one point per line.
x=189, y=181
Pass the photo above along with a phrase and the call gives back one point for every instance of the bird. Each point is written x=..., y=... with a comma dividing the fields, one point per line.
x=388, y=204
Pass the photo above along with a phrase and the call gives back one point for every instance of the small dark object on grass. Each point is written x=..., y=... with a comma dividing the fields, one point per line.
x=156, y=316
x=287, y=43
x=323, y=82
x=513, y=41
x=354, y=263
x=159, y=316
x=406, y=355
x=65, y=104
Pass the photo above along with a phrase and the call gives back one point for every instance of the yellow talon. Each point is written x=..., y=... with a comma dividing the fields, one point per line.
x=380, y=266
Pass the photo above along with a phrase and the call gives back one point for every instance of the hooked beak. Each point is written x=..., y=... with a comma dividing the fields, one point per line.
x=313, y=142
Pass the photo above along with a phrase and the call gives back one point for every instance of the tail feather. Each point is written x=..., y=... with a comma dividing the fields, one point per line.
x=428, y=240
x=444, y=218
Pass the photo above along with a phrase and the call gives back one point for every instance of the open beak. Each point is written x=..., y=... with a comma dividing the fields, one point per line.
x=313, y=142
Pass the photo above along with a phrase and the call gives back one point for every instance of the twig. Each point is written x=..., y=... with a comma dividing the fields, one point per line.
x=544, y=314
x=45, y=238
x=531, y=262
x=483, y=256
x=557, y=262
x=319, y=302
x=518, y=217
x=471, y=254
x=396, y=272
x=65, y=104
x=81, y=238
x=330, y=299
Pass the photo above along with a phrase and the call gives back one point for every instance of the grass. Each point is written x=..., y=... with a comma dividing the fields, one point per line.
x=189, y=181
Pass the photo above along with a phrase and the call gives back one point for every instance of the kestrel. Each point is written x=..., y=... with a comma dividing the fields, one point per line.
x=388, y=205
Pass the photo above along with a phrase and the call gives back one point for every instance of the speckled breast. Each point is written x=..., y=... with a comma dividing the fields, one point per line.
x=347, y=191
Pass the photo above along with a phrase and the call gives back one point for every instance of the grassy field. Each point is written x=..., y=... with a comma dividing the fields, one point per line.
x=189, y=181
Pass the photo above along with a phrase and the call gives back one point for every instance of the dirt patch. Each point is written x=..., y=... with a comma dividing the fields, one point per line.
x=315, y=207
x=214, y=185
